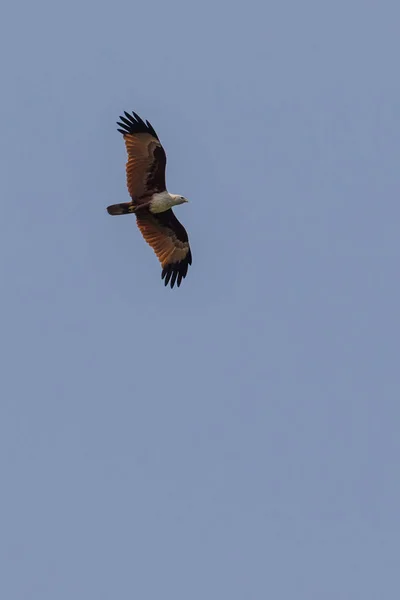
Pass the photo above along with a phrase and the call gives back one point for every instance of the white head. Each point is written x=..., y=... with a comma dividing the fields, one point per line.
x=178, y=199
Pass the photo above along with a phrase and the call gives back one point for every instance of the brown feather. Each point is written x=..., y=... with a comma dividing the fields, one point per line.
x=169, y=240
x=145, y=169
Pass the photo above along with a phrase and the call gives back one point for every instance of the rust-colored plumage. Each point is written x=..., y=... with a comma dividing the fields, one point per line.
x=145, y=169
x=151, y=203
x=169, y=241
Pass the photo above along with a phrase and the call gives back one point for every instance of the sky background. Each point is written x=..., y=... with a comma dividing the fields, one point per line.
x=238, y=437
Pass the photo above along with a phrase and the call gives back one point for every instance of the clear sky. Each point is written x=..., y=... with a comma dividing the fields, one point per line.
x=238, y=437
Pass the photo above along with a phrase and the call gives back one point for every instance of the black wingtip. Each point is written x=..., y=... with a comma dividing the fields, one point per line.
x=134, y=124
x=176, y=272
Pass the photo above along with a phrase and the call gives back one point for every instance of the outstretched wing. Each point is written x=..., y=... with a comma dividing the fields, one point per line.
x=145, y=169
x=169, y=240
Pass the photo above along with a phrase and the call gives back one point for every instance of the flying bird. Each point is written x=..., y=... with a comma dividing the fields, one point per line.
x=151, y=203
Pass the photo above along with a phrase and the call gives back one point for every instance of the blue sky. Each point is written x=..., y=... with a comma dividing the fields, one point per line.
x=237, y=437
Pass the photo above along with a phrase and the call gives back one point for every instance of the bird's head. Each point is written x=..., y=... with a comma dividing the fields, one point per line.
x=179, y=199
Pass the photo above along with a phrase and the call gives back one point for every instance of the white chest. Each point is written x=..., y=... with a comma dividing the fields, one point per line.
x=161, y=202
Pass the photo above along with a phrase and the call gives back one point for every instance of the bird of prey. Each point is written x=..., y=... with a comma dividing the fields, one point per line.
x=150, y=201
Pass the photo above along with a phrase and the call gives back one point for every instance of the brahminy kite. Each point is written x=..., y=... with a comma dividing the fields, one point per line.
x=151, y=203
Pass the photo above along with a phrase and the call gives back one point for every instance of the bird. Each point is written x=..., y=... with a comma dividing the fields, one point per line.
x=150, y=201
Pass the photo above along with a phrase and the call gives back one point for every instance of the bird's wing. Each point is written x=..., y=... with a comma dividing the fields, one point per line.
x=169, y=240
x=145, y=169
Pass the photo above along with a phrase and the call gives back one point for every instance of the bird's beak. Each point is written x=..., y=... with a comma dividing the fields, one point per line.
x=186, y=200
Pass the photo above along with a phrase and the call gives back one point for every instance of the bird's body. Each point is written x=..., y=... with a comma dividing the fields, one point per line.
x=162, y=201
x=151, y=202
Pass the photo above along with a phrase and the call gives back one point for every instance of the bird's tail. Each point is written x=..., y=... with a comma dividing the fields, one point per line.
x=124, y=208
